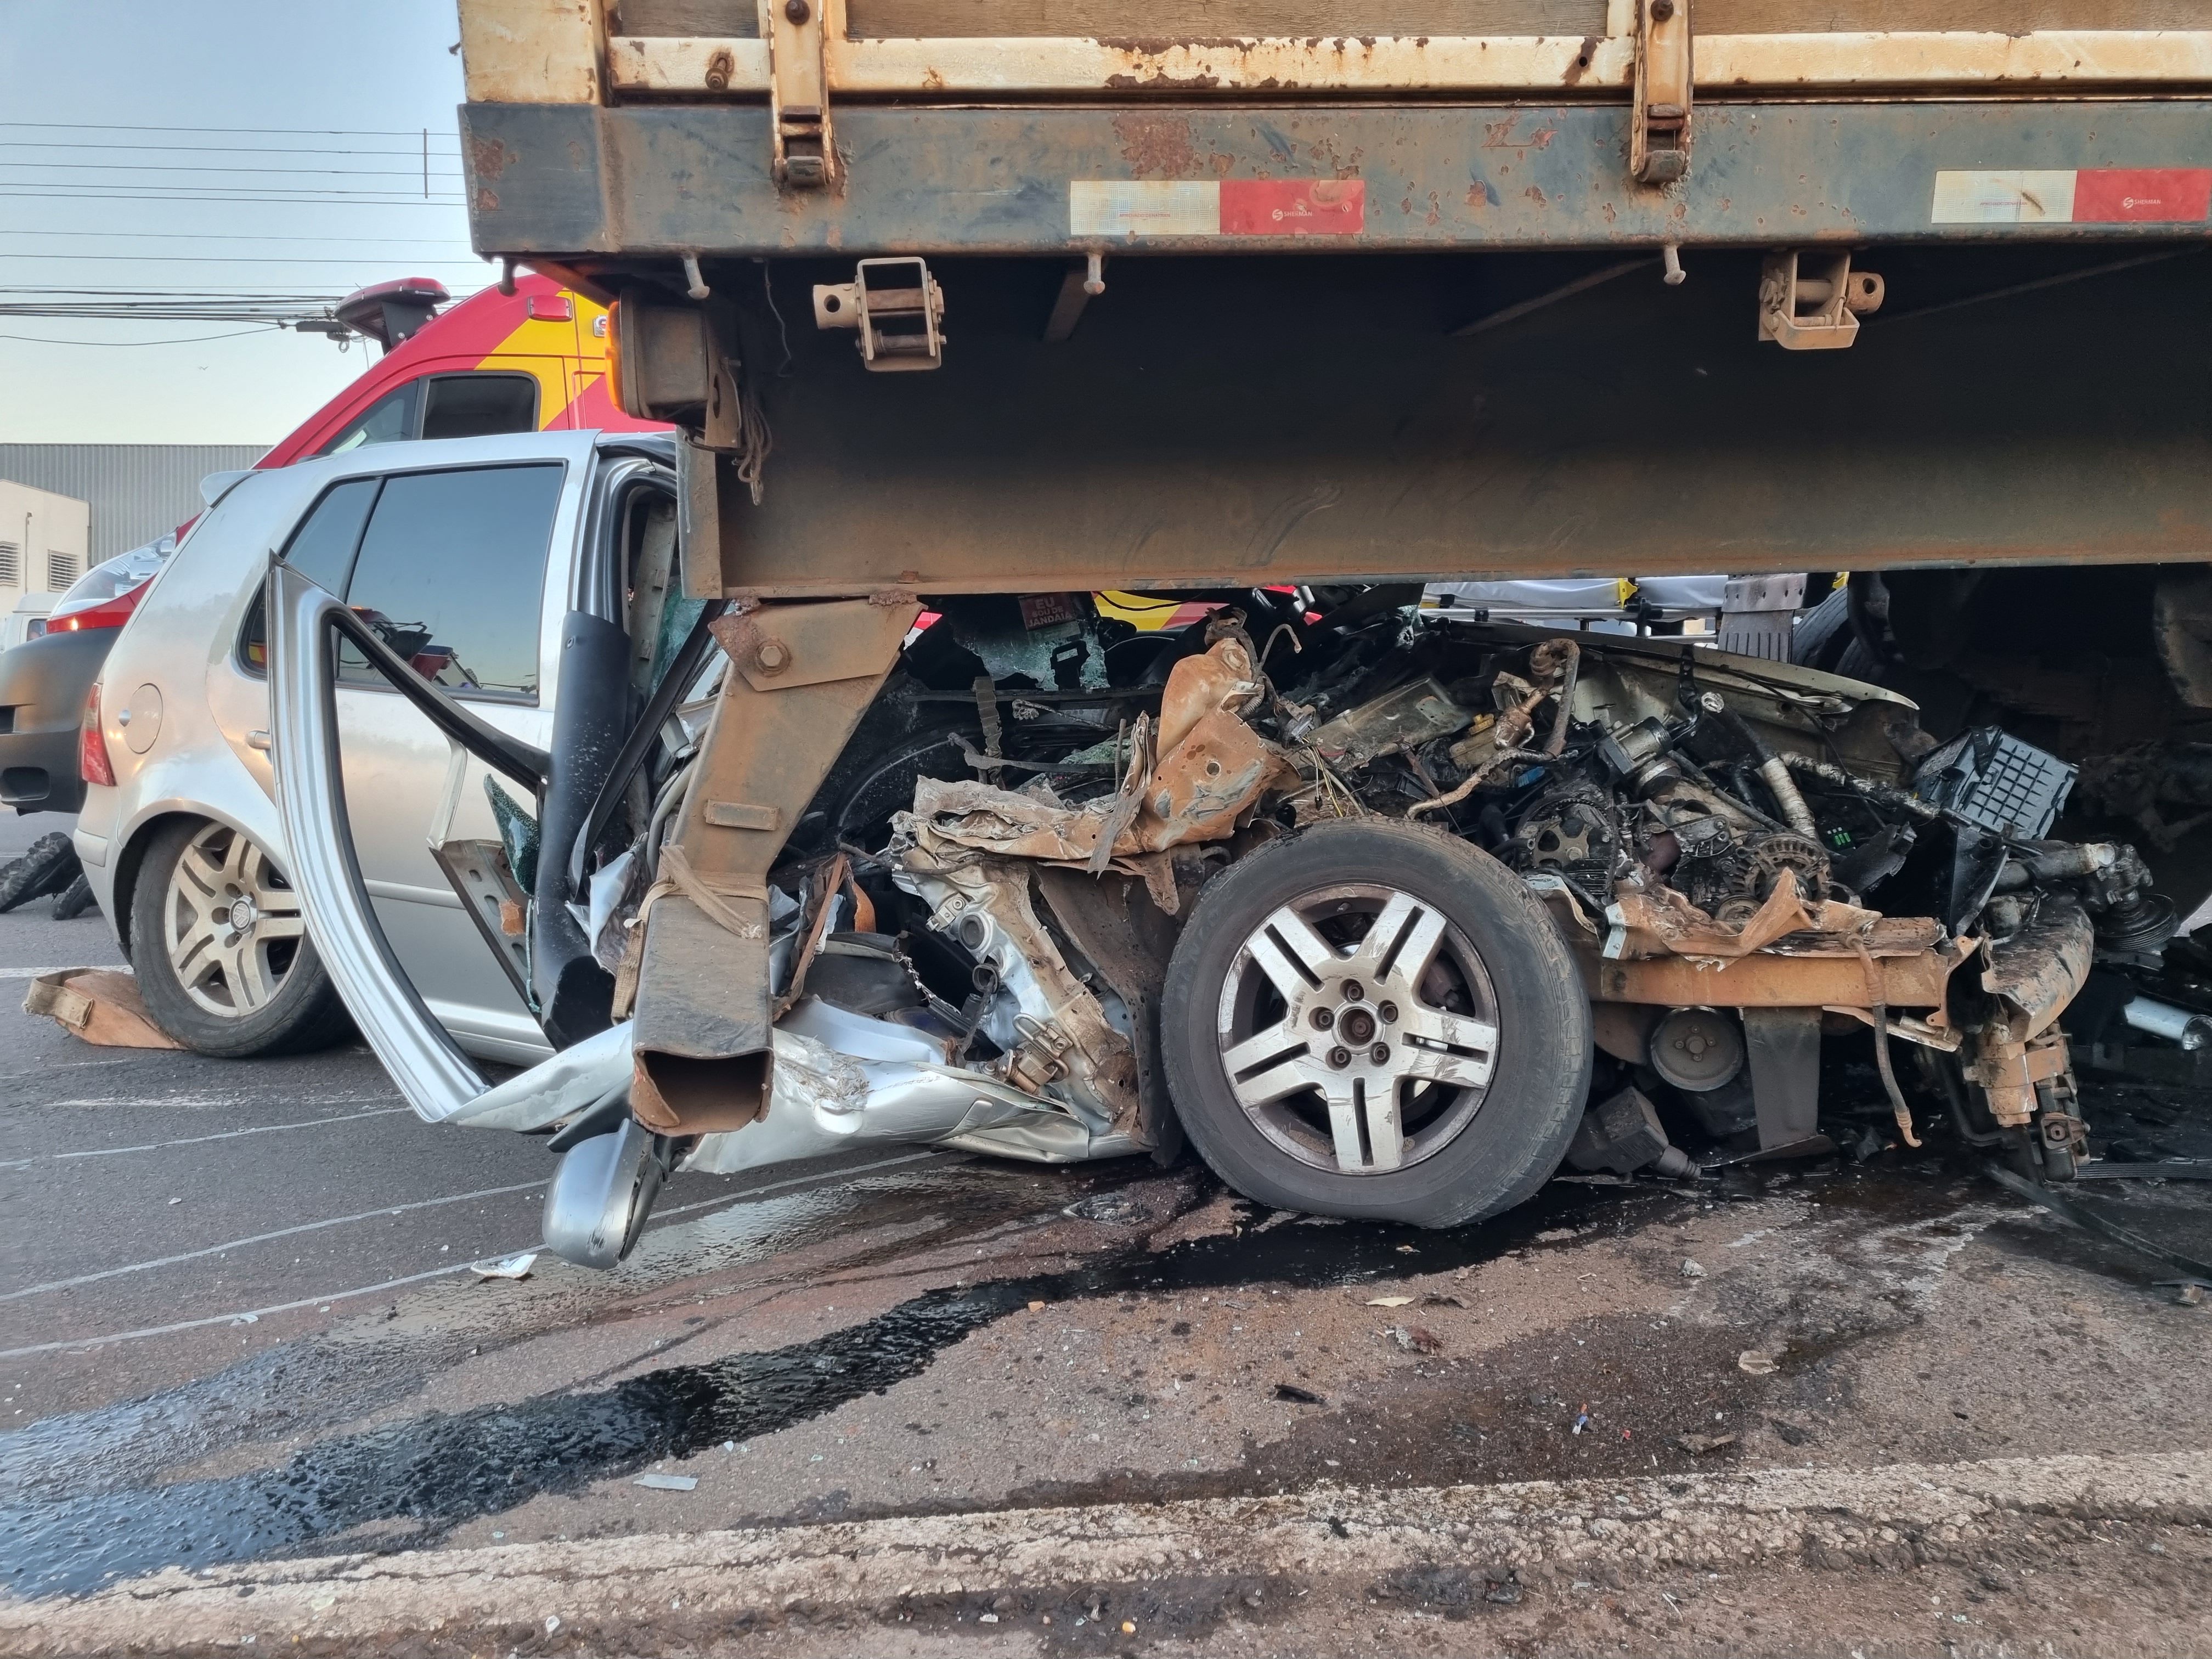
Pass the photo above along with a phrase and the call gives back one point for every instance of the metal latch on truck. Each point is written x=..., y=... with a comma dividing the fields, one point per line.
x=895, y=306
x=1659, y=122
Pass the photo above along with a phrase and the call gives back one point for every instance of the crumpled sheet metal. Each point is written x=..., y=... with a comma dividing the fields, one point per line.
x=1659, y=921
x=844, y=1079
x=1659, y=949
x=2041, y=969
x=1097, y=1066
x=1212, y=769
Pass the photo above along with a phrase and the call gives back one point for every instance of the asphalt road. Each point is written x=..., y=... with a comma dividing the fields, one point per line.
x=250, y=1384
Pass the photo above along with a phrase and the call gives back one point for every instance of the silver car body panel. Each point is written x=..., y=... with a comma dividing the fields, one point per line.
x=185, y=635
x=842, y=1079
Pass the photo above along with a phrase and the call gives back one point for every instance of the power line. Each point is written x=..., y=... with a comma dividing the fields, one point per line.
x=205, y=150
x=157, y=167
x=122, y=126
x=228, y=259
x=195, y=339
x=328, y=199
x=213, y=236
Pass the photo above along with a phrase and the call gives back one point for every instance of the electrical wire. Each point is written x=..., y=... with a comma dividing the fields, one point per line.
x=197, y=339
x=121, y=126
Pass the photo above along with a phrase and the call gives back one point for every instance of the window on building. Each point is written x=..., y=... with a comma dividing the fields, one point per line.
x=61, y=570
x=451, y=572
x=11, y=565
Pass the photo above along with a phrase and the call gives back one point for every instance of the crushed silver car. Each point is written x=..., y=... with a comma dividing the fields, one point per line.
x=1390, y=912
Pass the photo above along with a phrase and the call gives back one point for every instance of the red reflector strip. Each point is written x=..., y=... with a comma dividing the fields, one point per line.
x=1123, y=207
x=1293, y=207
x=2113, y=196
x=2091, y=196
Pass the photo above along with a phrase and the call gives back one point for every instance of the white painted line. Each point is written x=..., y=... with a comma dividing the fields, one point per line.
x=263, y=1238
x=203, y=1101
x=88, y=1342
x=246, y=1315
x=195, y=1141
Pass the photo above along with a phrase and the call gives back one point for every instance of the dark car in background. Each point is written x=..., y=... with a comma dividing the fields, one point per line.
x=44, y=681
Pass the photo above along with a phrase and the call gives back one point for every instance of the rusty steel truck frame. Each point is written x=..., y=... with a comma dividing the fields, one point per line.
x=1048, y=297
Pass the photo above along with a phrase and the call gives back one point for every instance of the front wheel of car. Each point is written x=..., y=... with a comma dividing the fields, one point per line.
x=1376, y=1020
x=221, y=948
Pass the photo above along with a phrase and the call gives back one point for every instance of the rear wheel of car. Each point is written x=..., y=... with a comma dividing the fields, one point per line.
x=221, y=948
x=1376, y=1020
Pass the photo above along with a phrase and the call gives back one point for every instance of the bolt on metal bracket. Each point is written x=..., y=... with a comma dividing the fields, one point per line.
x=1659, y=122
x=1812, y=299
x=897, y=307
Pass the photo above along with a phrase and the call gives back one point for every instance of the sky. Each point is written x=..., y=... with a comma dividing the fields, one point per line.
x=115, y=117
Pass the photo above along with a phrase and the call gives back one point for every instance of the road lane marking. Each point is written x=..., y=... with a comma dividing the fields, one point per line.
x=84, y=1342
x=203, y=1101
x=195, y=1141
x=263, y=1238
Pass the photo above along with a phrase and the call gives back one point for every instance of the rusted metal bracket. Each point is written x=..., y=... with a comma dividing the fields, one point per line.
x=1659, y=125
x=1811, y=299
x=805, y=155
x=896, y=306
x=801, y=677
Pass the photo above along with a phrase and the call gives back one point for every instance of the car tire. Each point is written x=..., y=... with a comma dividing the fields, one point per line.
x=1469, y=1142
x=223, y=961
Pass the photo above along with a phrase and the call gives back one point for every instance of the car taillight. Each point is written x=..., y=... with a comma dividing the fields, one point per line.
x=108, y=613
x=92, y=762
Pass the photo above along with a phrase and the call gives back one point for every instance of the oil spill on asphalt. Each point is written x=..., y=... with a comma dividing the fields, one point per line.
x=437, y=1470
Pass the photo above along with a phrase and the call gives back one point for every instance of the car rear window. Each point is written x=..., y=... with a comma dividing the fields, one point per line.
x=451, y=573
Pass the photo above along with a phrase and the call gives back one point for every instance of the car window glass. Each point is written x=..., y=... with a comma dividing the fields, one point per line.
x=450, y=574
x=389, y=420
x=478, y=405
x=322, y=547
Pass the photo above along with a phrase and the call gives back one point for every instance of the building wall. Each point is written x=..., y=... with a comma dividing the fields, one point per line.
x=44, y=540
x=137, y=491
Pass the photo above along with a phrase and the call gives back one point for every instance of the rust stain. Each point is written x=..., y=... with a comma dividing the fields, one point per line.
x=489, y=159
x=1157, y=144
x=1580, y=67
x=1536, y=195
x=1499, y=135
x=1159, y=82
x=486, y=201
x=1605, y=208
x=1221, y=164
x=1436, y=209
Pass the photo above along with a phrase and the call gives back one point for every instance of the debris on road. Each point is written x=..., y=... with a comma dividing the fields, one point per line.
x=1758, y=1362
x=48, y=866
x=1416, y=1338
x=1697, y=1445
x=1297, y=1395
x=656, y=1481
x=99, y=1005
x=510, y=1267
x=1389, y=1301
x=1691, y=1269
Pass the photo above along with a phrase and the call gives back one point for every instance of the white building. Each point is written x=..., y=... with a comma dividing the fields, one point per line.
x=46, y=541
